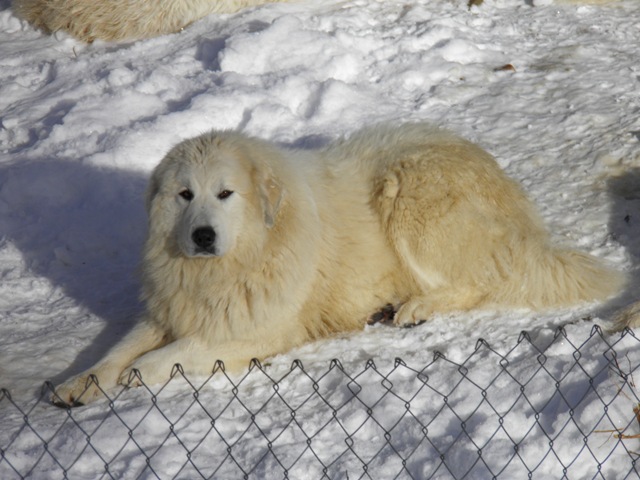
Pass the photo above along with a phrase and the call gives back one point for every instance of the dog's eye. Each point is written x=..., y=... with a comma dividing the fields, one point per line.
x=225, y=194
x=186, y=194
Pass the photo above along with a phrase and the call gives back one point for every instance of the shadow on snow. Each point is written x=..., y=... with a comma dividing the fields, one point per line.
x=82, y=227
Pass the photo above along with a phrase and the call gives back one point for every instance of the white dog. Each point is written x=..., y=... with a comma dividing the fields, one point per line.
x=253, y=249
x=118, y=20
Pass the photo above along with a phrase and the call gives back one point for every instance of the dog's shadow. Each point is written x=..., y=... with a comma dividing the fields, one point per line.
x=624, y=226
x=82, y=228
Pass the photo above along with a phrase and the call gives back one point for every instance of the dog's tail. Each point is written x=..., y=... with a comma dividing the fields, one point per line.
x=563, y=277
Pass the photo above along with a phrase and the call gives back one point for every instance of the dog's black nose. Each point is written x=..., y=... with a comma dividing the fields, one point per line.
x=203, y=237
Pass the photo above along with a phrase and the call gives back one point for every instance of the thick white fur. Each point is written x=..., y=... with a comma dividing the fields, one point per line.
x=314, y=242
x=119, y=20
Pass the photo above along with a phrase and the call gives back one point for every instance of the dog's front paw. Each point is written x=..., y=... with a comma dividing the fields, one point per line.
x=131, y=377
x=77, y=391
x=414, y=312
x=146, y=370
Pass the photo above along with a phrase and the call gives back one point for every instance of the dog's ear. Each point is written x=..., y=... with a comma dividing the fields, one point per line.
x=271, y=195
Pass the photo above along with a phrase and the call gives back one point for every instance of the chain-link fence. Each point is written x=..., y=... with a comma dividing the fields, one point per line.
x=560, y=410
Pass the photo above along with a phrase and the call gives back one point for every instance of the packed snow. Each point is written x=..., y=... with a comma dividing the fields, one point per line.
x=551, y=90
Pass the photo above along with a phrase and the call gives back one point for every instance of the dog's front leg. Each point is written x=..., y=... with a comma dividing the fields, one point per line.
x=197, y=358
x=89, y=385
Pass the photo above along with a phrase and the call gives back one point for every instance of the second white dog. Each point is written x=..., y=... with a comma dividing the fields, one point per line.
x=117, y=20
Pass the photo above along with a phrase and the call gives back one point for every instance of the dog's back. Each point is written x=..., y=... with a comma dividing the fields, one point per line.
x=465, y=233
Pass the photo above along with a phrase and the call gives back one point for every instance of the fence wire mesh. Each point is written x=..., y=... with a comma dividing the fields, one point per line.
x=560, y=410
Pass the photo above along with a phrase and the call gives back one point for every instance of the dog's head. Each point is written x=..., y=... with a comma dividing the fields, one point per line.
x=213, y=193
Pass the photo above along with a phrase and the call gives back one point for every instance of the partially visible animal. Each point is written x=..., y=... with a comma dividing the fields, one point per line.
x=121, y=20
x=126, y=20
x=254, y=249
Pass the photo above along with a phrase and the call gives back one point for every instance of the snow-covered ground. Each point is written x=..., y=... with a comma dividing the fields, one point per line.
x=553, y=91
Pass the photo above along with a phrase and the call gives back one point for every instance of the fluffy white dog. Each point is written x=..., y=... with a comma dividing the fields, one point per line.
x=117, y=20
x=254, y=249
